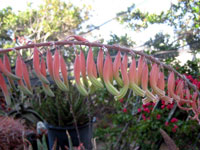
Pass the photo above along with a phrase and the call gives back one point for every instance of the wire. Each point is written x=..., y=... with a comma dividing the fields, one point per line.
x=110, y=20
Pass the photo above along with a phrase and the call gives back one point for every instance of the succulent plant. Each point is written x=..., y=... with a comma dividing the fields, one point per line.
x=12, y=133
x=117, y=77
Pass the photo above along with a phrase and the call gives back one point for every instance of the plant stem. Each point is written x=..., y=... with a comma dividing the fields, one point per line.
x=109, y=47
x=116, y=147
x=74, y=117
x=90, y=117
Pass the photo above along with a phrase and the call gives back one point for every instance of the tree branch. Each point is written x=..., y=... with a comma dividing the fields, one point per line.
x=109, y=47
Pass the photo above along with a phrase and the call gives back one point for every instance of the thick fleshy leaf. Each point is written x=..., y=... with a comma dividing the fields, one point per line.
x=171, y=84
x=124, y=74
x=133, y=79
x=171, y=87
x=19, y=73
x=132, y=72
x=116, y=68
x=36, y=66
x=7, y=72
x=139, y=69
x=26, y=76
x=77, y=71
x=91, y=70
x=125, y=61
x=161, y=81
x=111, y=74
x=179, y=89
x=123, y=90
x=144, y=83
x=154, y=80
x=45, y=86
x=6, y=63
x=43, y=67
x=19, y=68
x=100, y=58
x=56, y=76
x=49, y=63
x=5, y=90
x=107, y=75
x=64, y=71
x=83, y=68
x=145, y=78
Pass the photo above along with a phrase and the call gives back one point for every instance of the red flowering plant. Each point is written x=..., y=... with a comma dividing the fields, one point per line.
x=173, y=121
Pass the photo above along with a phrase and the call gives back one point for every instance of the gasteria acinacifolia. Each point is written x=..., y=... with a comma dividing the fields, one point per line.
x=144, y=79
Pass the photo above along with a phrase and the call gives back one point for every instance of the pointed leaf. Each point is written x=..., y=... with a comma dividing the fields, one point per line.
x=116, y=67
x=107, y=75
x=45, y=86
x=26, y=76
x=5, y=90
x=125, y=61
x=145, y=74
x=64, y=71
x=91, y=70
x=83, y=68
x=19, y=73
x=56, y=76
x=139, y=69
x=161, y=81
x=6, y=71
x=77, y=71
x=6, y=63
x=132, y=72
x=49, y=63
x=36, y=66
x=100, y=63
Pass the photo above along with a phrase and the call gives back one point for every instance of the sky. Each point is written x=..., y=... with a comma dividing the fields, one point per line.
x=104, y=10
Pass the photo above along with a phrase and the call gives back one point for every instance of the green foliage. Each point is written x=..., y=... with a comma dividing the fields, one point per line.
x=184, y=17
x=58, y=110
x=53, y=20
x=42, y=145
x=141, y=127
x=122, y=40
x=161, y=42
x=190, y=68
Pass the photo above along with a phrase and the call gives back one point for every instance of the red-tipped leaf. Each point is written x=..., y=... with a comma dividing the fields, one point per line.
x=6, y=63
x=100, y=58
x=5, y=90
x=91, y=70
x=36, y=66
x=49, y=63
x=45, y=86
x=64, y=71
x=83, y=68
x=56, y=75
x=26, y=76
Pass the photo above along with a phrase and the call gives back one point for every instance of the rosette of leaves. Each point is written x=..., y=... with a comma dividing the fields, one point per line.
x=62, y=109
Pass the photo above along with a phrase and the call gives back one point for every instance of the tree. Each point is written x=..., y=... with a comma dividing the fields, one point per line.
x=53, y=20
x=162, y=42
x=184, y=17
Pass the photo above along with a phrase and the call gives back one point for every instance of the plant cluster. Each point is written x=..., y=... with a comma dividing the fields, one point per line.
x=143, y=126
x=117, y=77
x=147, y=130
x=57, y=110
